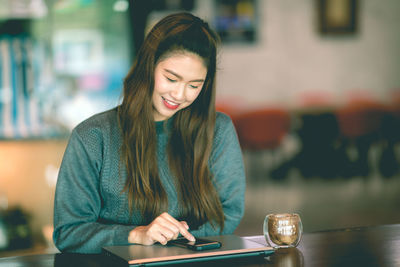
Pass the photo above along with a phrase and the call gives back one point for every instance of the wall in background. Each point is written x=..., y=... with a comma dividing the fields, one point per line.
x=292, y=58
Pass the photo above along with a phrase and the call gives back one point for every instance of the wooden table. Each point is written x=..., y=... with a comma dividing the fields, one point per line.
x=366, y=246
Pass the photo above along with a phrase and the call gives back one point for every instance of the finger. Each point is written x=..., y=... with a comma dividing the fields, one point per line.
x=171, y=228
x=160, y=234
x=183, y=230
x=174, y=221
x=174, y=224
x=187, y=235
x=167, y=228
x=159, y=237
x=182, y=226
x=185, y=225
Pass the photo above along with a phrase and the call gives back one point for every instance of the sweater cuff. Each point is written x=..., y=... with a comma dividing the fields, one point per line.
x=121, y=234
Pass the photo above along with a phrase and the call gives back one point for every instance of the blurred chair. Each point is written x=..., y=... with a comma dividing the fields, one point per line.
x=319, y=155
x=261, y=132
x=315, y=99
x=389, y=161
x=231, y=107
x=359, y=123
x=317, y=130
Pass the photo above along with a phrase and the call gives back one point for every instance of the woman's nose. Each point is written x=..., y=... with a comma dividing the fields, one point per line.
x=179, y=92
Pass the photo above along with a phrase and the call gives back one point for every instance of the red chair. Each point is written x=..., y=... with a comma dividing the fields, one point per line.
x=231, y=107
x=260, y=131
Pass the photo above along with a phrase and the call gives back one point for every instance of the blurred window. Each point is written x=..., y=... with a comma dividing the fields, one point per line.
x=60, y=62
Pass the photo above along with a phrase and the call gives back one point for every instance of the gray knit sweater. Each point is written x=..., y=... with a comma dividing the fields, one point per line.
x=90, y=210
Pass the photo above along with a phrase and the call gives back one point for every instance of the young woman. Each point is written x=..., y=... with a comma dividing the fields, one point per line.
x=162, y=164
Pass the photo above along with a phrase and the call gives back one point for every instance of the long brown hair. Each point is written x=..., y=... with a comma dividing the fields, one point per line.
x=192, y=130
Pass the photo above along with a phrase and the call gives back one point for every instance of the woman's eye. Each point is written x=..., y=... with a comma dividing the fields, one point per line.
x=171, y=80
x=194, y=86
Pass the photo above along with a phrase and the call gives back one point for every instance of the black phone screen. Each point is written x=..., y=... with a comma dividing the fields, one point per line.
x=199, y=244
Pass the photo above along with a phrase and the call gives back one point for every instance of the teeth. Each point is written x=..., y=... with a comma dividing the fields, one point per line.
x=171, y=103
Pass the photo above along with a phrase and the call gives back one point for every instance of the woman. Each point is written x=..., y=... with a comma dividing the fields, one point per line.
x=160, y=164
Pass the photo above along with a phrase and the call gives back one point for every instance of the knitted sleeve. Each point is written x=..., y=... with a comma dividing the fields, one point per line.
x=226, y=164
x=78, y=201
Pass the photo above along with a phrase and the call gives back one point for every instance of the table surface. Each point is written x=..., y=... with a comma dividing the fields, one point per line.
x=363, y=246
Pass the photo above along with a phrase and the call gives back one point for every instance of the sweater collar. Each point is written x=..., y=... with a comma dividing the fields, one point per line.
x=162, y=126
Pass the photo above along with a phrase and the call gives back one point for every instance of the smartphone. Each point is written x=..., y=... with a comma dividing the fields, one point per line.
x=198, y=245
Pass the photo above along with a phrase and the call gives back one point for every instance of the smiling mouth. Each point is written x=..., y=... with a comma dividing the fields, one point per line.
x=170, y=104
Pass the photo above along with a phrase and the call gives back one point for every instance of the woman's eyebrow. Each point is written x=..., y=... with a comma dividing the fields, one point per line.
x=180, y=77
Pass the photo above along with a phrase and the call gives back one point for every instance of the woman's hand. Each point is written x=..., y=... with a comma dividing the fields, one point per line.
x=161, y=229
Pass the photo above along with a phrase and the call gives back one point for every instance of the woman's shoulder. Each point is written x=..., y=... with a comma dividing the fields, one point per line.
x=223, y=123
x=222, y=120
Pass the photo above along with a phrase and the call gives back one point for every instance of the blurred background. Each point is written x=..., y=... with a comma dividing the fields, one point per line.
x=312, y=86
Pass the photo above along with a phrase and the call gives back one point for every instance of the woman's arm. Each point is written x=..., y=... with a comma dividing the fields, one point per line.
x=227, y=167
x=78, y=204
x=78, y=200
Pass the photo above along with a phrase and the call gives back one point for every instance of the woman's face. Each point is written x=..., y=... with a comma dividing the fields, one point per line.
x=178, y=80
